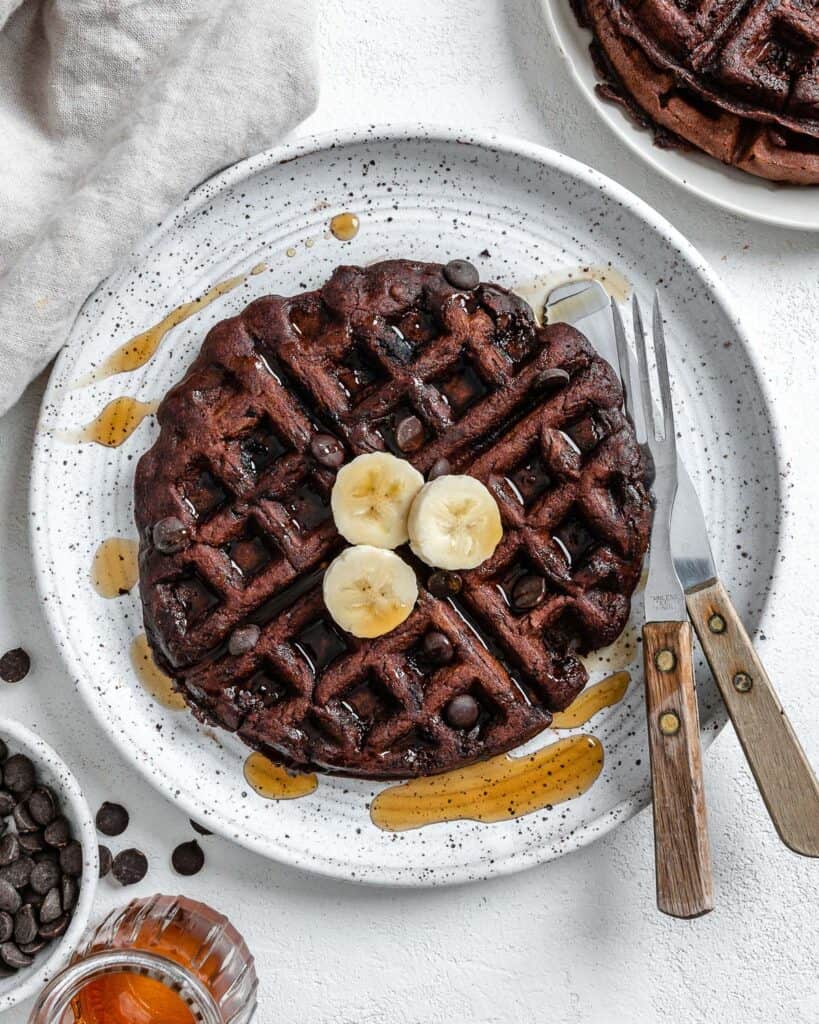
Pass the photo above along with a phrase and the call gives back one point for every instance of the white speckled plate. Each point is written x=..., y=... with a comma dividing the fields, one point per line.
x=791, y=206
x=522, y=213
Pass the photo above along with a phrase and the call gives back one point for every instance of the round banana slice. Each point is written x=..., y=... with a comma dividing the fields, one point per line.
x=369, y=591
x=371, y=499
x=454, y=523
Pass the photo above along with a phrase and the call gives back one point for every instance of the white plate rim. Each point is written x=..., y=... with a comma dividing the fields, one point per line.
x=630, y=135
x=310, y=145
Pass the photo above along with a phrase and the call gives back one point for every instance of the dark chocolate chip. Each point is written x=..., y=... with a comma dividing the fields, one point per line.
x=13, y=956
x=552, y=379
x=462, y=274
x=112, y=819
x=32, y=842
x=9, y=849
x=199, y=828
x=438, y=648
x=18, y=872
x=23, y=819
x=71, y=858
x=18, y=774
x=170, y=535
x=68, y=892
x=440, y=467
x=58, y=832
x=409, y=434
x=444, y=584
x=188, y=858
x=129, y=866
x=7, y=802
x=54, y=929
x=105, y=860
x=243, y=639
x=10, y=900
x=44, y=876
x=528, y=591
x=327, y=450
x=25, y=924
x=50, y=908
x=34, y=947
x=6, y=926
x=462, y=711
x=42, y=806
x=14, y=665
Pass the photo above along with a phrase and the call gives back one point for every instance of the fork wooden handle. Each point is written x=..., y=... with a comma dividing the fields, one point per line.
x=781, y=769
x=681, y=845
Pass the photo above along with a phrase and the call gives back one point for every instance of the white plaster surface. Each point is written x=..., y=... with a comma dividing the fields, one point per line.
x=578, y=940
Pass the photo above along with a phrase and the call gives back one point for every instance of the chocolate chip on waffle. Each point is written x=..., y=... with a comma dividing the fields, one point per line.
x=236, y=489
x=738, y=79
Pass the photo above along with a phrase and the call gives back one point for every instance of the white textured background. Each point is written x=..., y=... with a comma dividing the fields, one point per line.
x=578, y=940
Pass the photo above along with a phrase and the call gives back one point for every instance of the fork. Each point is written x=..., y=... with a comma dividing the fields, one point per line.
x=681, y=844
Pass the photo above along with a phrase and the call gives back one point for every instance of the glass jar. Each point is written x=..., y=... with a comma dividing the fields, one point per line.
x=164, y=958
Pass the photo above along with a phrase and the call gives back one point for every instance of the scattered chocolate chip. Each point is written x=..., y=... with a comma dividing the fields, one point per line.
x=462, y=274
x=54, y=929
x=14, y=665
x=409, y=434
x=438, y=648
x=44, y=876
x=327, y=450
x=23, y=819
x=58, y=832
x=9, y=849
x=105, y=860
x=18, y=872
x=10, y=900
x=199, y=828
x=6, y=926
x=7, y=803
x=50, y=909
x=484, y=254
x=188, y=858
x=71, y=858
x=33, y=947
x=25, y=924
x=551, y=379
x=18, y=774
x=42, y=806
x=13, y=956
x=444, y=584
x=170, y=535
x=440, y=467
x=129, y=866
x=243, y=639
x=112, y=819
x=462, y=711
x=31, y=842
x=68, y=892
x=528, y=591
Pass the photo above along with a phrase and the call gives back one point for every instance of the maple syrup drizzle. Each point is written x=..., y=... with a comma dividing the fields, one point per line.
x=274, y=782
x=500, y=789
x=153, y=679
x=114, y=569
x=141, y=347
x=344, y=226
x=615, y=284
x=260, y=268
x=114, y=425
x=593, y=699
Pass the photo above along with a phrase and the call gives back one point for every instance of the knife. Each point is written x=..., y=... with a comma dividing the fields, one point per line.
x=778, y=762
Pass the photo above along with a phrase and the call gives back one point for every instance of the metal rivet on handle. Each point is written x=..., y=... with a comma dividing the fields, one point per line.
x=665, y=660
x=669, y=723
x=742, y=682
x=716, y=623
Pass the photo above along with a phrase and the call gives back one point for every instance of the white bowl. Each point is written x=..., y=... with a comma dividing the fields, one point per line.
x=52, y=771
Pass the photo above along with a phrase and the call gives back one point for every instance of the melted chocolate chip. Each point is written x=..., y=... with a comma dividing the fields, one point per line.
x=409, y=434
x=528, y=591
x=440, y=467
x=462, y=274
x=462, y=711
x=243, y=639
x=327, y=450
x=444, y=584
x=438, y=648
x=170, y=535
x=552, y=379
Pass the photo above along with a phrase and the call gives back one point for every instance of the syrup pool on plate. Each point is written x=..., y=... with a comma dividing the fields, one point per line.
x=114, y=569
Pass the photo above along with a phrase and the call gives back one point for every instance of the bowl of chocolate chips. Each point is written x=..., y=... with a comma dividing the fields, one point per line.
x=48, y=863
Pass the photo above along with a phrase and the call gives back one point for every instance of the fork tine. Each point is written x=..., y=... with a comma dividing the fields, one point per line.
x=624, y=363
x=645, y=380
x=662, y=370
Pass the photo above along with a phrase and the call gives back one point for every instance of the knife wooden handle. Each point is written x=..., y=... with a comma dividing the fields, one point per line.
x=781, y=769
x=681, y=844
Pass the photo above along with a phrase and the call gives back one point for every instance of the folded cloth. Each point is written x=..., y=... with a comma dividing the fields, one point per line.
x=110, y=110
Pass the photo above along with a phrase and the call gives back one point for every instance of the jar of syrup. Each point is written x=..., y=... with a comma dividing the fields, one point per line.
x=164, y=958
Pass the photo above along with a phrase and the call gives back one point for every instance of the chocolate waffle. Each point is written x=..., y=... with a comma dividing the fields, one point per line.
x=738, y=79
x=232, y=506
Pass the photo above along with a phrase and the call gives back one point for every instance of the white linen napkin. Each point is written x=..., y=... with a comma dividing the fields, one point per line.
x=110, y=111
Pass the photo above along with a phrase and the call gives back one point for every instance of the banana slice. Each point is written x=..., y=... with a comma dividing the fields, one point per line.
x=454, y=523
x=371, y=499
x=369, y=591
